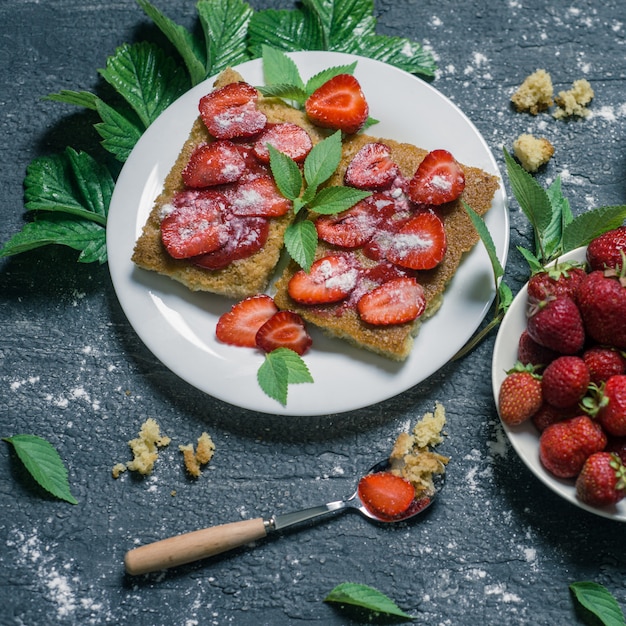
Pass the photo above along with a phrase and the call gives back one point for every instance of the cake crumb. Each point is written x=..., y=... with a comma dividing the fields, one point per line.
x=144, y=449
x=411, y=456
x=574, y=101
x=203, y=453
x=532, y=152
x=535, y=94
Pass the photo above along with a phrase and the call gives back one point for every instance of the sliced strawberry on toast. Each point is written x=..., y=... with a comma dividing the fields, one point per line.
x=372, y=168
x=386, y=495
x=288, y=138
x=394, y=302
x=194, y=225
x=239, y=326
x=259, y=197
x=437, y=180
x=420, y=244
x=338, y=104
x=284, y=329
x=231, y=111
x=215, y=163
x=330, y=279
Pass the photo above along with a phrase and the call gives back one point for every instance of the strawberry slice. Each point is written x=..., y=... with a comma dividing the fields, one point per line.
x=214, y=163
x=372, y=168
x=394, y=302
x=386, y=495
x=355, y=226
x=338, y=104
x=438, y=179
x=331, y=279
x=231, y=111
x=259, y=197
x=244, y=237
x=239, y=326
x=284, y=329
x=288, y=138
x=420, y=244
x=195, y=224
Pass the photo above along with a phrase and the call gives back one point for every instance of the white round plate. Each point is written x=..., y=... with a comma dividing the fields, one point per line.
x=525, y=438
x=178, y=326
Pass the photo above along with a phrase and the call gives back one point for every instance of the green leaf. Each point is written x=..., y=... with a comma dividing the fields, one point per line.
x=119, y=134
x=587, y=226
x=485, y=235
x=301, y=243
x=552, y=236
x=323, y=160
x=286, y=92
x=317, y=80
x=281, y=368
x=365, y=597
x=599, y=601
x=190, y=50
x=533, y=262
x=44, y=464
x=225, y=27
x=78, y=98
x=286, y=173
x=331, y=200
x=279, y=69
x=146, y=78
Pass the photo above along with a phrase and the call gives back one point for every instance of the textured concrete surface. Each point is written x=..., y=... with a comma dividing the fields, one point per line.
x=498, y=548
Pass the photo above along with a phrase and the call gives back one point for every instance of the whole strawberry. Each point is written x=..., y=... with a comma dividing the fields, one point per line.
x=520, y=395
x=556, y=323
x=612, y=406
x=604, y=362
x=565, y=446
x=602, y=304
x=561, y=280
x=565, y=381
x=606, y=250
x=602, y=480
x=548, y=415
x=530, y=352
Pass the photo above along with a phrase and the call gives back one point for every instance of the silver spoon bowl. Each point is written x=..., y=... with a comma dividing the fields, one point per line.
x=207, y=542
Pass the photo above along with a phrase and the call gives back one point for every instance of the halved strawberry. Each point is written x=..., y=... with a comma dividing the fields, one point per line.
x=239, y=326
x=259, y=197
x=420, y=244
x=394, y=302
x=372, y=168
x=355, y=226
x=338, y=104
x=284, y=329
x=245, y=236
x=230, y=111
x=288, y=138
x=331, y=279
x=386, y=495
x=195, y=224
x=214, y=163
x=438, y=179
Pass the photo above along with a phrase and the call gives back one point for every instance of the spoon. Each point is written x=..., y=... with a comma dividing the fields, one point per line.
x=206, y=542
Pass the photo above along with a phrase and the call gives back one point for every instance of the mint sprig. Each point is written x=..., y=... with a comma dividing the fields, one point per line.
x=366, y=597
x=44, y=464
x=598, y=601
x=281, y=368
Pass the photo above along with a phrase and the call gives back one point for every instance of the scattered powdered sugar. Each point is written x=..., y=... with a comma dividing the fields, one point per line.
x=441, y=182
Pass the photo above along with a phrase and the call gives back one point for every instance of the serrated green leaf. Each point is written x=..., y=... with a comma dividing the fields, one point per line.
x=552, y=236
x=332, y=200
x=301, y=243
x=505, y=297
x=286, y=173
x=281, y=368
x=78, y=98
x=366, y=597
x=485, y=236
x=534, y=263
x=44, y=464
x=589, y=225
x=225, y=27
x=189, y=48
x=597, y=599
x=119, y=134
x=286, y=92
x=279, y=69
x=322, y=161
x=317, y=80
x=146, y=78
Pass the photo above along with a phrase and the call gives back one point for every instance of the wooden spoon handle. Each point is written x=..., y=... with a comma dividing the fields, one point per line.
x=193, y=546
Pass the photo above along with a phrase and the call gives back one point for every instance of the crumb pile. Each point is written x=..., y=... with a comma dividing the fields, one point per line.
x=195, y=459
x=145, y=449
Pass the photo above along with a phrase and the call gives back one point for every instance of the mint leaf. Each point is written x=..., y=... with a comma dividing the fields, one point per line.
x=365, y=597
x=44, y=464
x=485, y=235
x=587, y=226
x=552, y=236
x=533, y=262
x=331, y=200
x=281, y=368
x=599, y=601
x=322, y=161
x=301, y=243
x=146, y=78
x=286, y=173
x=317, y=80
x=279, y=69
